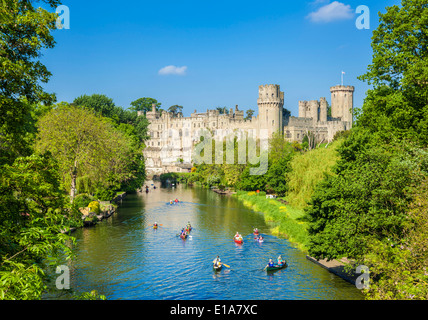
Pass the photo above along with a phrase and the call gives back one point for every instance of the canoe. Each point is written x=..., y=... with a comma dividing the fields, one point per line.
x=277, y=267
x=240, y=241
x=218, y=268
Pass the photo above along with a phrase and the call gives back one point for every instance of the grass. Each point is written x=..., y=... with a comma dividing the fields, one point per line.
x=286, y=220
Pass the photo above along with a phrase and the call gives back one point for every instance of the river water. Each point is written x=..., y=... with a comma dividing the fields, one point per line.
x=125, y=258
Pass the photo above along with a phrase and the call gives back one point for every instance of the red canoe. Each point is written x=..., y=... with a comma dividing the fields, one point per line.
x=239, y=241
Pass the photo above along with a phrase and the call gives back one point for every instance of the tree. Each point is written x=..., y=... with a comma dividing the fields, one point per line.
x=175, y=110
x=22, y=74
x=400, y=267
x=222, y=110
x=32, y=214
x=399, y=74
x=100, y=104
x=83, y=144
x=145, y=104
x=250, y=113
x=286, y=113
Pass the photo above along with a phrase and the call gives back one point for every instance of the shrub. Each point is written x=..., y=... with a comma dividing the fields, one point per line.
x=82, y=200
x=94, y=206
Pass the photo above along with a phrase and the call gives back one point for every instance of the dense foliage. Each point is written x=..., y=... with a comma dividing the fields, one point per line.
x=232, y=173
x=90, y=146
x=373, y=208
x=32, y=206
x=34, y=178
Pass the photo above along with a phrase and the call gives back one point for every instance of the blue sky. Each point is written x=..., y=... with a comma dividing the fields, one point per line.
x=205, y=54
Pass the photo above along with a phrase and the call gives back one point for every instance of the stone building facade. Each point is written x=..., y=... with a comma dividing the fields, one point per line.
x=173, y=137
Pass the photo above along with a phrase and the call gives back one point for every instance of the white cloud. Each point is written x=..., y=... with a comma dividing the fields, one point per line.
x=181, y=71
x=331, y=12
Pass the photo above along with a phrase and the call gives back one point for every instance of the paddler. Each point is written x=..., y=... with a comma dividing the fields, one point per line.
x=270, y=264
x=217, y=261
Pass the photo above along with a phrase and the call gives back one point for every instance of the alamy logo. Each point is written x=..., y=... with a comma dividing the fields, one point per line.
x=363, y=21
x=363, y=281
x=63, y=20
x=63, y=281
x=222, y=147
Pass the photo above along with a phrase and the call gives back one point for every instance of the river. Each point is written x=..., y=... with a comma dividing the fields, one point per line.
x=124, y=258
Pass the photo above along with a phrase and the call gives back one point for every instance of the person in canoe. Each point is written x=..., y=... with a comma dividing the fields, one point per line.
x=217, y=261
x=270, y=264
x=261, y=239
x=280, y=261
x=189, y=226
x=256, y=231
x=176, y=200
x=155, y=225
x=171, y=202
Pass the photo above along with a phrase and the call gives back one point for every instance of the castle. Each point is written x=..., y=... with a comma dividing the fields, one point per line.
x=173, y=137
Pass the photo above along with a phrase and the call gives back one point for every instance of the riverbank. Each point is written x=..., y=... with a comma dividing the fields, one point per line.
x=285, y=220
x=290, y=223
x=106, y=210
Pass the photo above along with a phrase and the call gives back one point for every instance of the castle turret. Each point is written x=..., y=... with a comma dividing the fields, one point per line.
x=302, y=109
x=313, y=110
x=270, y=102
x=151, y=115
x=323, y=110
x=342, y=102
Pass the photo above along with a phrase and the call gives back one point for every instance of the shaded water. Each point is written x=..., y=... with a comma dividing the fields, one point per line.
x=125, y=258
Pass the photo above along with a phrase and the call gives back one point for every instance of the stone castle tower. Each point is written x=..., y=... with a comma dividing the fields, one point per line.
x=342, y=101
x=173, y=137
x=270, y=102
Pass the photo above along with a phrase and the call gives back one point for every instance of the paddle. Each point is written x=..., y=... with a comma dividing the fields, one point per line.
x=226, y=265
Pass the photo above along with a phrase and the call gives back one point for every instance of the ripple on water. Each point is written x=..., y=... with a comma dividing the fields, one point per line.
x=125, y=258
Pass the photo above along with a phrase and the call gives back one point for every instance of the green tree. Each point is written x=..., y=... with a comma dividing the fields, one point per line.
x=24, y=32
x=397, y=106
x=145, y=104
x=84, y=145
x=32, y=214
x=175, y=109
x=286, y=113
x=222, y=110
x=250, y=113
x=100, y=104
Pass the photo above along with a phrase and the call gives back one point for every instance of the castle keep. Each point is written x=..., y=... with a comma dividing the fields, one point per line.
x=173, y=137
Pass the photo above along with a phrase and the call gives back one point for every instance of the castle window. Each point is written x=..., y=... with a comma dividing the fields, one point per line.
x=273, y=123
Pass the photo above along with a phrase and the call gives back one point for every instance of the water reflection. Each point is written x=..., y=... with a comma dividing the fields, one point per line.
x=125, y=258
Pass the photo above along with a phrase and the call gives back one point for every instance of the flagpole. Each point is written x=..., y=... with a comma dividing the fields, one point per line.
x=342, y=78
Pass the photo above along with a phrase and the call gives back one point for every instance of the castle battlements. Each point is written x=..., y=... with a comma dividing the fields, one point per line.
x=182, y=133
x=342, y=88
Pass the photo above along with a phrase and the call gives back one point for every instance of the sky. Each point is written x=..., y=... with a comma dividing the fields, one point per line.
x=207, y=54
